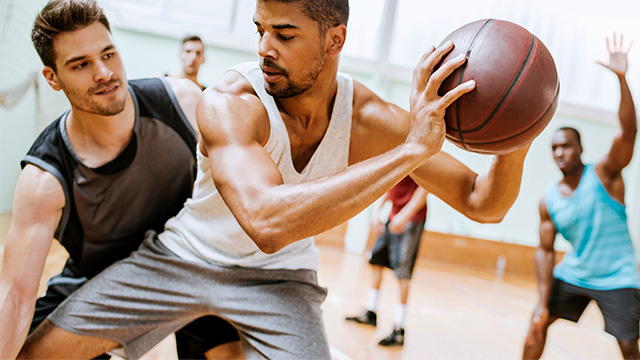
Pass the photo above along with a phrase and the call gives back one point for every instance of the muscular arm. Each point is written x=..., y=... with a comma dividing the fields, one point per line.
x=37, y=208
x=619, y=156
x=275, y=214
x=545, y=255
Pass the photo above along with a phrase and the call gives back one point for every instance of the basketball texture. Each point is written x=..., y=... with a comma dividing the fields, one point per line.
x=516, y=90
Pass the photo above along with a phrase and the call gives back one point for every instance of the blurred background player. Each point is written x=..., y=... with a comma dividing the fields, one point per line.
x=587, y=208
x=396, y=247
x=191, y=57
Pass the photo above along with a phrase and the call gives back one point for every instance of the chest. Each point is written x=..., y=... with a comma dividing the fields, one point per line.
x=304, y=141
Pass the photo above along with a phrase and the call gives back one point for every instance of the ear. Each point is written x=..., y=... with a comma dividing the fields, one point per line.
x=52, y=78
x=336, y=37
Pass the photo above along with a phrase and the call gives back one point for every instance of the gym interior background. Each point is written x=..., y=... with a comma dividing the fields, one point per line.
x=385, y=40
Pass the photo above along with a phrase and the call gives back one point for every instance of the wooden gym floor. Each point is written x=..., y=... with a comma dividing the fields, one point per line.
x=454, y=312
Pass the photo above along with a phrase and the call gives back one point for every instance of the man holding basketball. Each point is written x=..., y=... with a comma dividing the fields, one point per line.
x=290, y=148
x=587, y=208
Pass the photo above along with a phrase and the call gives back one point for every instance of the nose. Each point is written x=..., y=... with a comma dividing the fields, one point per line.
x=265, y=46
x=103, y=73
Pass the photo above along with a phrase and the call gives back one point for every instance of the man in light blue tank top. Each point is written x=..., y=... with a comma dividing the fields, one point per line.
x=587, y=208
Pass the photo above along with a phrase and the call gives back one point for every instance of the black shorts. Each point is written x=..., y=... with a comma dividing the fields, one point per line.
x=620, y=307
x=398, y=251
x=192, y=341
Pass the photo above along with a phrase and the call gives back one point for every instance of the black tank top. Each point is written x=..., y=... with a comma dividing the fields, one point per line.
x=108, y=209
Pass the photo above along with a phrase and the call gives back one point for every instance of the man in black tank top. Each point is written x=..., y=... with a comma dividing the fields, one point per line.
x=119, y=163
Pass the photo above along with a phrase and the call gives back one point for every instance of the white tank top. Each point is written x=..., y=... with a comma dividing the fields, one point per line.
x=206, y=231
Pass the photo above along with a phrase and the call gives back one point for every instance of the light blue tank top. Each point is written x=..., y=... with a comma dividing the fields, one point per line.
x=595, y=224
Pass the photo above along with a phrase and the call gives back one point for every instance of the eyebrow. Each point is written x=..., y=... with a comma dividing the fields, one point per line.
x=278, y=26
x=78, y=58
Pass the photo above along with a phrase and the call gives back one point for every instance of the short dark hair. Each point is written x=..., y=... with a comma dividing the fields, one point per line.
x=191, y=38
x=574, y=131
x=327, y=13
x=60, y=16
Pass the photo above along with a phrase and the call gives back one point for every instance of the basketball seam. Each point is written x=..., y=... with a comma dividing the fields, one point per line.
x=461, y=78
x=555, y=97
x=495, y=110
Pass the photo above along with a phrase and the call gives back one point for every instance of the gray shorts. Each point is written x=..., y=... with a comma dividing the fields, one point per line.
x=398, y=251
x=140, y=300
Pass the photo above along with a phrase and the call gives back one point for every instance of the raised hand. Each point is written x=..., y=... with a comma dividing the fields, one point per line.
x=427, y=107
x=617, y=55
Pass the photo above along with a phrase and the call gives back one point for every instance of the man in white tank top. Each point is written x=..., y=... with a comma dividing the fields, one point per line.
x=289, y=149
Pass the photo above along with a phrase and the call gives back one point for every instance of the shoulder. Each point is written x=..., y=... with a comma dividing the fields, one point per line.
x=232, y=108
x=183, y=87
x=49, y=149
x=370, y=110
x=377, y=125
x=147, y=85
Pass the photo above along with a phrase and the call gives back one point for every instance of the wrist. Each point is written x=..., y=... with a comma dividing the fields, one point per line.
x=415, y=152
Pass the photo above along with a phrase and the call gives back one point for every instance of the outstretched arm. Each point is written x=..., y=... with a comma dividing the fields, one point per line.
x=624, y=141
x=37, y=208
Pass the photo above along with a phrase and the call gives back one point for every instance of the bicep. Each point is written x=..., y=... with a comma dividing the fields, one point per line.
x=233, y=133
x=619, y=156
x=37, y=208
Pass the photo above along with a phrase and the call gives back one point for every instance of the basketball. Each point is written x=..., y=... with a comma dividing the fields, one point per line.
x=516, y=90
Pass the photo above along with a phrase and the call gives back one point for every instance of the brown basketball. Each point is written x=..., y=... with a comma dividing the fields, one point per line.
x=516, y=90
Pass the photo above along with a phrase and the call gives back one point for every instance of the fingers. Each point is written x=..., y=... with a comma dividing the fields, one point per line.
x=615, y=44
x=455, y=93
x=443, y=72
x=418, y=72
x=423, y=71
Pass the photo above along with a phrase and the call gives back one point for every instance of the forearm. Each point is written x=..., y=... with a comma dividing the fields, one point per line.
x=545, y=260
x=627, y=110
x=15, y=319
x=277, y=215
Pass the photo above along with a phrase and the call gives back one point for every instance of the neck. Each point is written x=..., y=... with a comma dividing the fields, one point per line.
x=573, y=177
x=314, y=105
x=98, y=139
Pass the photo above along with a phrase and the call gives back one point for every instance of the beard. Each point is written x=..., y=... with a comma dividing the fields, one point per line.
x=294, y=88
x=85, y=101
